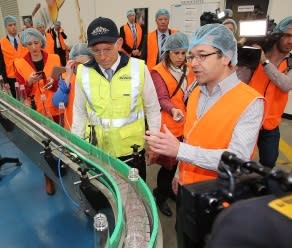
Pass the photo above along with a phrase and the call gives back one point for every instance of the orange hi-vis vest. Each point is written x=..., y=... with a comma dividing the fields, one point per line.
x=49, y=48
x=129, y=36
x=152, y=48
x=25, y=70
x=9, y=54
x=276, y=99
x=61, y=39
x=214, y=129
x=177, y=100
x=69, y=107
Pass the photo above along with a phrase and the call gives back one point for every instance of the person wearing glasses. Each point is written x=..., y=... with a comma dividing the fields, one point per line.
x=34, y=72
x=223, y=114
x=112, y=95
x=171, y=78
x=273, y=79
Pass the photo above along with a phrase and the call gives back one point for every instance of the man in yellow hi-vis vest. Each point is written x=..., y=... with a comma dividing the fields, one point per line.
x=112, y=94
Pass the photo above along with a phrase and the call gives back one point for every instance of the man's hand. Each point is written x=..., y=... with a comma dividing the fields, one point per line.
x=163, y=143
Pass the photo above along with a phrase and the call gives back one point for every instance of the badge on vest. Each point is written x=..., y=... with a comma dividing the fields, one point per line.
x=125, y=77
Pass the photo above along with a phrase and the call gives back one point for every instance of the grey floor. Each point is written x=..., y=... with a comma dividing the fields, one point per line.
x=169, y=234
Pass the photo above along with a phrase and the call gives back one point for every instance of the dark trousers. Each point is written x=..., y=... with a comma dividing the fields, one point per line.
x=183, y=239
x=11, y=82
x=62, y=55
x=164, y=183
x=138, y=163
x=268, y=145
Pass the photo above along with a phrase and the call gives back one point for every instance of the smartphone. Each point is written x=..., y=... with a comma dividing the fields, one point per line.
x=39, y=73
x=57, y=72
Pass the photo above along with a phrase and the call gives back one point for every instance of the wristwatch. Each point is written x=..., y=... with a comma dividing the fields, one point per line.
x=266, y=62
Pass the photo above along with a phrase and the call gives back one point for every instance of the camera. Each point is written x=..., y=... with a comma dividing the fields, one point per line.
x=253, y=32
x=200, y=203
x=208, y=18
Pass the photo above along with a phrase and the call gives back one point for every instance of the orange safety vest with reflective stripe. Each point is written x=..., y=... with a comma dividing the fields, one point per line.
x=25, y=70
x=49, y=48
x=176, y=127
x=9, y=54
x=214, y=129
x=152, y=48
x=129, y=36
x=276, y=99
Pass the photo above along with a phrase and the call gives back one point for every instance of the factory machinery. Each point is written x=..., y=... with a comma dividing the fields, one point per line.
x=93, y=179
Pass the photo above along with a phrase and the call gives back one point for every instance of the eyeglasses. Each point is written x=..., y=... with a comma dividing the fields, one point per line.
x=106, y=51
x=201, y=57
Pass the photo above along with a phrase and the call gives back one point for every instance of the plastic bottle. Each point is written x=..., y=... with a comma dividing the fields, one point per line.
x=106, y=139
x=22, y=95
x=1, y=83
x=45, y=110
x=135, y=214
x=17, y=90
x=61, y=114
x=101, y=231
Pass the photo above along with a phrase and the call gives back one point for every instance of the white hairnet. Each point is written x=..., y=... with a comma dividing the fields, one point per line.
x=231, y=21
x=79, y=49
x=131, y=12
x=175, y=41
x=161, y=12
x=9, y=19
x=283, y=25
x=218, y=36
x=30, y=34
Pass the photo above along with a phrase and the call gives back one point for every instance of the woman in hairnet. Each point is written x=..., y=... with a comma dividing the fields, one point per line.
x=171, y=78
x=34, y=72
x=79, y=54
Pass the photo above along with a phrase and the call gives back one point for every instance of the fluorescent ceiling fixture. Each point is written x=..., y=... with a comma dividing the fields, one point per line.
x=253, y=28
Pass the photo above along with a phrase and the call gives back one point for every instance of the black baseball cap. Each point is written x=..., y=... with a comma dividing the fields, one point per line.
x=102, y=30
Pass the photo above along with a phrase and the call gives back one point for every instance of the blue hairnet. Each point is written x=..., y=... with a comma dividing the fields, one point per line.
x=40, y=24
x=218, y=36
x=30, y=34
x=131, y=12
x=79, y=49
x=175, y=41
x=27, y=20
x=231, y=21
x=161, y=12
x=9, y=19
x=283, y=25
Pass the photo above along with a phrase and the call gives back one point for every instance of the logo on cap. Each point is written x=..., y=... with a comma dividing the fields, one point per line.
x=100, y=30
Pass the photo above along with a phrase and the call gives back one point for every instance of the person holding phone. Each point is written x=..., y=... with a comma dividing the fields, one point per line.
x=33, y=71
x=79, y=54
